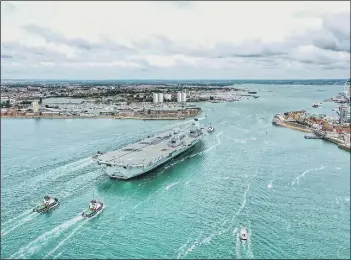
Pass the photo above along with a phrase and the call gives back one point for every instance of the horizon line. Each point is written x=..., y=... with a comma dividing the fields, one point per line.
x=176, y=79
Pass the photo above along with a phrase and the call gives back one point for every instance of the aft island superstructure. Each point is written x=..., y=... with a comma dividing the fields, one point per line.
x=147, y=154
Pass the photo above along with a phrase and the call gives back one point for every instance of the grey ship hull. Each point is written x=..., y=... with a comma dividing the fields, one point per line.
x=144, y=156
x=117, y=172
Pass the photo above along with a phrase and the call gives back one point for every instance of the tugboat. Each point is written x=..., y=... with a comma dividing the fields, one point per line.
x=48, y=203
x=94, y=208
x=243, y=233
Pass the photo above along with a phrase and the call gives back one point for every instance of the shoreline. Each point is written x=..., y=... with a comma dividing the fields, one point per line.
x=291, y=126
x=96, y=117
x=308, y=129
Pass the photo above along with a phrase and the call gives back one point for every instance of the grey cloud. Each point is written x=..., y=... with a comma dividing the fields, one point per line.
x=78, y=43
x=25, y=54
x=331, y=40
x=6, y=56
x=159, y=44
x=333, y=36
x=248, y=49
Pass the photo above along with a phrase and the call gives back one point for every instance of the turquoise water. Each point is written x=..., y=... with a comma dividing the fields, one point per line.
x=292, y=194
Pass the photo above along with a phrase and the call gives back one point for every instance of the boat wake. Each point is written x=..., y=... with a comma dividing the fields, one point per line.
x=77, y=183
x=237, y=243
x=23, y=214
x=123, y=215
x=297, y=179
x=243, y=248
x=242, y=204
x=43, y=239
x=171, y=185
x=53, y=174
x=217, y=230
x=19, y=221
x=66, y=238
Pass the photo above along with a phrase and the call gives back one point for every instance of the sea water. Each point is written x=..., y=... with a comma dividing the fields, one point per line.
x=292, y=194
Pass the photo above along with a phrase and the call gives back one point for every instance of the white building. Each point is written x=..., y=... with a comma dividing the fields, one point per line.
x=35, y=106
x=345, y=114
x=184, y=97
x=155, y=97
x=179, y=97
x=167, y=97
x=4, y=98
x=160, y=97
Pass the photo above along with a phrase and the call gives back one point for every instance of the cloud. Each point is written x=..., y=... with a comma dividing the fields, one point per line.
x=177, y=39
x=7, y=7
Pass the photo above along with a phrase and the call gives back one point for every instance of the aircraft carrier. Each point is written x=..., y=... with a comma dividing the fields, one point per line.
x=145, y=155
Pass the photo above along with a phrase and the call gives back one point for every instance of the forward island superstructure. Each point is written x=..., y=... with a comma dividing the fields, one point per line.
x=145, y=155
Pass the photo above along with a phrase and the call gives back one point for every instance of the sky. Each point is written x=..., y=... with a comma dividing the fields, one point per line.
x=175, y=40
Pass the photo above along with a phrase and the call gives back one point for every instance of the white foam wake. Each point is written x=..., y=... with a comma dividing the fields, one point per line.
x=43, y=239
x=171, y=185
x=297, y=179
x=23, y=214
x=65, y=239
x=19, y=222
x=237, y=243
x=55, y=173
x=242, y=204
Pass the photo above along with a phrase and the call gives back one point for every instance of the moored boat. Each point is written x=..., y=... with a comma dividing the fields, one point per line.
x=312, y=137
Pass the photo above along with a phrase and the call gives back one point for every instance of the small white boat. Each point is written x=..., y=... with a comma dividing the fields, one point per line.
x=210, y=129
x=243, y=233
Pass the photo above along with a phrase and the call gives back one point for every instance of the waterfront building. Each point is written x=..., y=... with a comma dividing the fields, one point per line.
x=35, y=106
x=179, y=97
x=345, y=114
x=160, y=97
x=155, y=97
x=184, y=97
x=168, y=97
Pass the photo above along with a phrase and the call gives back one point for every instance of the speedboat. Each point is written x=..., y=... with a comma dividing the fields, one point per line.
x=210, y=129
x=94, y=208
x=47, y=204
x=243, y=233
